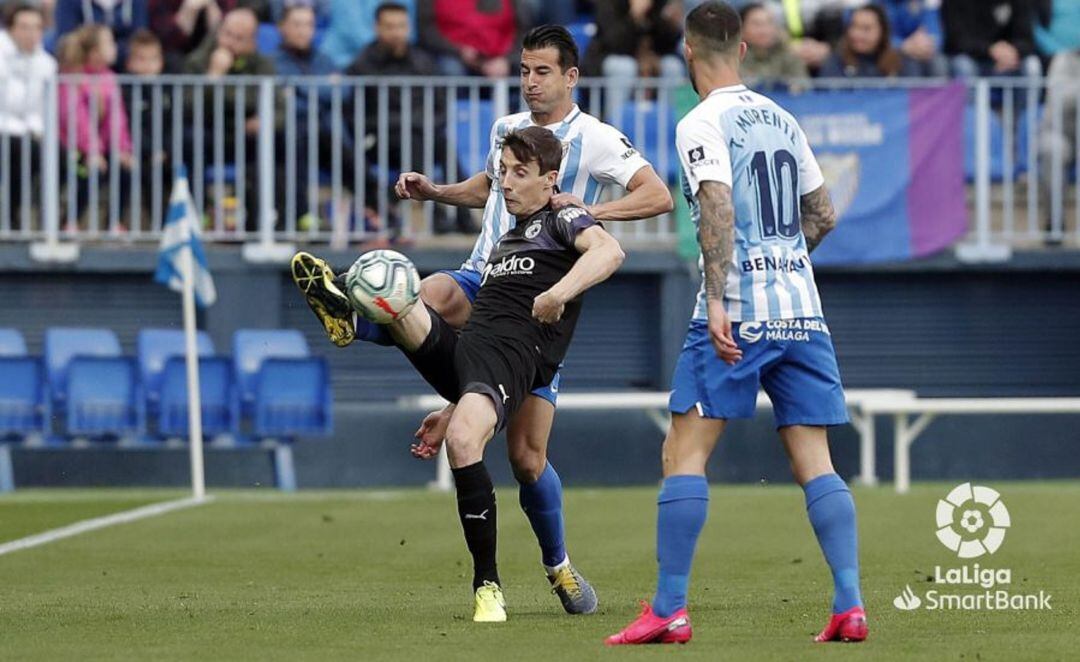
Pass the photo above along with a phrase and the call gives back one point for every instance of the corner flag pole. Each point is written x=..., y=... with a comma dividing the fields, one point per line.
x=191, y=354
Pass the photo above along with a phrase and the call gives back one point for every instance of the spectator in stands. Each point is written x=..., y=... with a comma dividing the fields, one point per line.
x=989, y=37
x=146, y=59
x=231, y=51
x=183, y=25
x=866, y=50
x=123, y=17
x=295, y=55
x=815, y=26
x=634, y=38
x=320, y=7
x=352, y=28
x=1057, y=29
x=472, y=36
x=1057, y=134
x=769, y=57
x=25, y=69
x=392, y=55
x=916, y=32
x=94, y=108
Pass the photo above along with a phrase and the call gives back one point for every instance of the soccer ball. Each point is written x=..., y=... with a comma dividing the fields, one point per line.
x=382, y=285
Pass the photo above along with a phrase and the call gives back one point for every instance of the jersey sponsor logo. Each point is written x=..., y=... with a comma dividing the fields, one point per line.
x=630, y=151
x=533, y=229
x=769, y=263
x=696, y=154
x=794, y=330
x=511, y=265
x=570, y=213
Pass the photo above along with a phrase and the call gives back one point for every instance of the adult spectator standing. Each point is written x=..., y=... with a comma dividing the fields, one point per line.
x=25, y=69
x=472, y=37
x=634, y=38
x=989, y=38
x=769, y=58
x=1057, y=136
x=1057, y=29
x=231, y=51
x=392, y=55
x=123, y=17
x=866, y=50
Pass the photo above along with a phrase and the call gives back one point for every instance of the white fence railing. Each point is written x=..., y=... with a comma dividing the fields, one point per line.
x=293, y=159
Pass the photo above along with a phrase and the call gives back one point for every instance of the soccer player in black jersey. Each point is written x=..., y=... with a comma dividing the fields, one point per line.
x=520, y=328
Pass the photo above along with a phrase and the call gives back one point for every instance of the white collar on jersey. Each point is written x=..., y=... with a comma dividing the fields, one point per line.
x=724, y=90
x=574, y=113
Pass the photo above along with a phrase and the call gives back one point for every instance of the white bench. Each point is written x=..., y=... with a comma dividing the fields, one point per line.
x=924, y=410
x=862, y=404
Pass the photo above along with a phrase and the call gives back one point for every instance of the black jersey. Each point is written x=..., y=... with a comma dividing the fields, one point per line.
x=525, y=262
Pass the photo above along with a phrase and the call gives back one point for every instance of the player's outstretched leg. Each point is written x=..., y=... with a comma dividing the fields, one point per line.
x=325, y=295
x=683, y=505
x=832, y=515
x=470, y=427
x=540, y=496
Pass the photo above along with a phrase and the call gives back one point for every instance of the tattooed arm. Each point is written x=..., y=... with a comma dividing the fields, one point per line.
x=717, y=238
x=818, y=216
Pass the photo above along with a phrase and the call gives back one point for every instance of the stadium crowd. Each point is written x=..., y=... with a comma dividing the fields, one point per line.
x=789, y=41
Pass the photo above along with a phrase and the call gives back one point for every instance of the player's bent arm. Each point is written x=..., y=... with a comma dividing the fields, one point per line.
x=473, y=192
x=646, y=196
x=717, y=236
x=817, y=216
x=601, y=256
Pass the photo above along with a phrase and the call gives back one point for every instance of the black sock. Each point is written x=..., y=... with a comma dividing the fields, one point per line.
x=476, y=508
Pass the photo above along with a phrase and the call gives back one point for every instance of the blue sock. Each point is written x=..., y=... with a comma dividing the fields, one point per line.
x=371, y=332
x=683, y=506
x=542, y=503
x=832, y=514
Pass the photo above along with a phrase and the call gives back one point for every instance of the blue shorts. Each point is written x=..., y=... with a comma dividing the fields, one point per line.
x=793, y=360
x=469, y=282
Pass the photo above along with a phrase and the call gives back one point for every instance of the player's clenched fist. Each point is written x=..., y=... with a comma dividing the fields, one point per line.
x=414, y=186
x=720, y=332
x=548, y=308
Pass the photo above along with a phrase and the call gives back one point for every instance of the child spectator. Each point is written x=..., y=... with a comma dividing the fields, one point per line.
x=122, y=17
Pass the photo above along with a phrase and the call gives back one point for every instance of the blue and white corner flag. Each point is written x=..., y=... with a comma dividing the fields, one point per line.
x=181, y=231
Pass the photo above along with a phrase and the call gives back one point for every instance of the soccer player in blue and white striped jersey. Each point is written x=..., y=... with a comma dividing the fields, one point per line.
x=760, y=204
x=596, y=156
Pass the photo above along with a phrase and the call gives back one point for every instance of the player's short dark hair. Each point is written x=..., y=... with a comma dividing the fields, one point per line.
x=553, y=36
x=714, y=26
x=143, y=38
x=13, y=11
x=390, y=6
x=535, y=144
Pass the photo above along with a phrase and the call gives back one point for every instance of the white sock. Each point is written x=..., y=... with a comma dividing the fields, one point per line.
x=552, y=570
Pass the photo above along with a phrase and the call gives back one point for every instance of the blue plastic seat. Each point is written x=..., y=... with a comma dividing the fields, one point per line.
x=218, y=402
x=997, y=145
x=267, y=39
x=648, y=140
x=12, y=343
x=103, y=397
x=253, y=346
x=23, y=406
x=154, y=348
x=64, y=344
x=582, y=31
x=470, y=160
x=293, y=397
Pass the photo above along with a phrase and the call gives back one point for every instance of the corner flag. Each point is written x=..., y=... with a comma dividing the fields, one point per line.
x=181, y=231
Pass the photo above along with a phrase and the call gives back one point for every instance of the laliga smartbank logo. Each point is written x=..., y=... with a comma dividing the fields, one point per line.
x=971, y=522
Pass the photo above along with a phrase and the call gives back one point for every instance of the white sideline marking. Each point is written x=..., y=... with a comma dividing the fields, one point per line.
x=96, y=523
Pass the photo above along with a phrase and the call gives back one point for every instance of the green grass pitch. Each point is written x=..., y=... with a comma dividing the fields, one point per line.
x=384, y=575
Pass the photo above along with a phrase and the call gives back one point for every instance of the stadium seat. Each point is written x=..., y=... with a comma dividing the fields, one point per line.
x=154, y=348
x=64, y=344
x=220, y=408
x=23, y=406
x=582, y=31
x=293, y=397
x=252, y=346
x=12, y=343
x=103, y=397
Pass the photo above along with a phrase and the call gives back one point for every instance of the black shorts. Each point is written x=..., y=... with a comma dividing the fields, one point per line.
x=458, y=364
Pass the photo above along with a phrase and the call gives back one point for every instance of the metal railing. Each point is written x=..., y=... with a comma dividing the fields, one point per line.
x=304, y=159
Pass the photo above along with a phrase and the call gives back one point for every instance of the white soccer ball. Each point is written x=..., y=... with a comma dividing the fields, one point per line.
x=382, y=285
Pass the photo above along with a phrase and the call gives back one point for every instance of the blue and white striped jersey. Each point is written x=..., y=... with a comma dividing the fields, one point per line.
x=596, y=155
x=743, y=139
